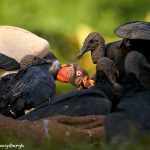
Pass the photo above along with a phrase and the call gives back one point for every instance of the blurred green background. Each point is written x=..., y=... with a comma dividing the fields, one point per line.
x=66, y=23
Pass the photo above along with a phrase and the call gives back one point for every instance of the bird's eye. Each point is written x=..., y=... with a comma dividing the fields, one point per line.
x=78, y=73
x=91, y=41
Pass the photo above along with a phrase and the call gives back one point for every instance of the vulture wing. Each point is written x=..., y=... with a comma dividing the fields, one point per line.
x=134, y=30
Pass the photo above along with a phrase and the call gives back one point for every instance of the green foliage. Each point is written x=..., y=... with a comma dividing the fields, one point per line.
x=65, y=16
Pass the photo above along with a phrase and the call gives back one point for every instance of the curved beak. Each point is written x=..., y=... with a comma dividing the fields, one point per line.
x=87, y=83
x=83, y=50
x=62, y=74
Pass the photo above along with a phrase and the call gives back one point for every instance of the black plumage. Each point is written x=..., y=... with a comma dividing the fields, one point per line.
x=18, y=91
x=132, y=117
x=116, y=51
x=134, y=30
x=4, y=81
x=93, y=101
x=137, y=64
x=79, y=103
x=8, y=63
x=95, y=43
x=28, y=88
x=135, y=37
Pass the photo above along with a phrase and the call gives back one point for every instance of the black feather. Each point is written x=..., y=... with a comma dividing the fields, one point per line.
x=29, y=88
x=8, y=63
x=133, y=115
x=93, y=101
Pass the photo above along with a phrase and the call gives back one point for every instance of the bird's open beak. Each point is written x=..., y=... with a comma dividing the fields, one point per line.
x=87, y=83
x=62, y=75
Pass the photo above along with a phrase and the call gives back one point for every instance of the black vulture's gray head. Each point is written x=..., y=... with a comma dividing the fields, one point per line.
x=95, y=43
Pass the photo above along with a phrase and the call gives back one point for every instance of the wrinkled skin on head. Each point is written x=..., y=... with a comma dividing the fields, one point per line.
x=72, y=73
x=95, y=43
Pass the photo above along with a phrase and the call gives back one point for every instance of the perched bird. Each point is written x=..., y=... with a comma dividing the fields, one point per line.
x=135, y=37
x=95, y=100
x=95, y=43
x=132, y=116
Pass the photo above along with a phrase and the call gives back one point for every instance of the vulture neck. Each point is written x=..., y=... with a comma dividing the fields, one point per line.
x=98, y=53
x=44, y=66
x=108, y=89
x=103, y=83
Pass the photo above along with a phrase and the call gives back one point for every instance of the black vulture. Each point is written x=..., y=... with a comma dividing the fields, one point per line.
x=132, y=116
x=93, y=101
x=136, y=36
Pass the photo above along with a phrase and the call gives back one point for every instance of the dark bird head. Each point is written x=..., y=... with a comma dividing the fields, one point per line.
x=72, y=73
x=31, y=60
x=108, y=67
x=95, y=43
x=106, y=73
